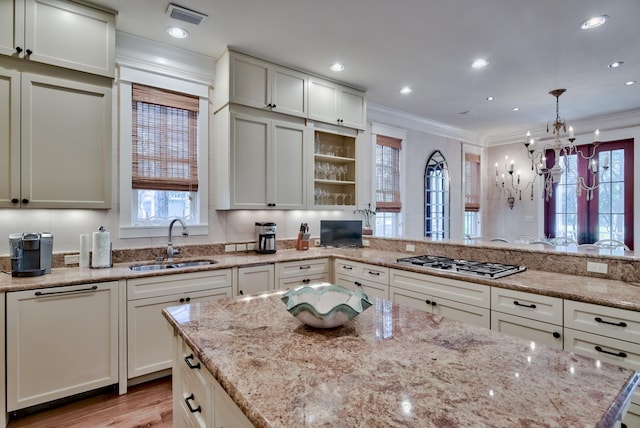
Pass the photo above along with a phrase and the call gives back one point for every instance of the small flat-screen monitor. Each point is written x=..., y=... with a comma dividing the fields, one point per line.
x=341, y=233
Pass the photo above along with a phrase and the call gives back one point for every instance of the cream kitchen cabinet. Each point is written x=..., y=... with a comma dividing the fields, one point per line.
x=336, y=104
x=149, y=336
x=334, y=168
x=298, y=273
x=198, y=399
x=246, y=80
x=60, y=33
x=254, y=279
x=371, y=279
x=61, y=341
x=261, y=161
x=531, y=316
x=460, y=300
x=48, y=125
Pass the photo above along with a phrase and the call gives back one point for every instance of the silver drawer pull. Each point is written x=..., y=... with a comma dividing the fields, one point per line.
x=51, y=293
x=617, y=324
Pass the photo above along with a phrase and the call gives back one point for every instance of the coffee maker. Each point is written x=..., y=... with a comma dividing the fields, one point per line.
x=30, y=253
x=266, y=238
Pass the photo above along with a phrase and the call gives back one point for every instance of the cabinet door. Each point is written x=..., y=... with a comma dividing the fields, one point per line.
x=149, y=335
x=536, y=331
x=66, y=143
x=254, y=279
x=9, y=137
x=288, y=91
x=354, y=110
x=249, y=81
x=461, y=312
x=410, y=298
x=11, y=26
x=61, y=341
x=287, y=168
x=249, y=148
x=70, y=35
x=323, y=101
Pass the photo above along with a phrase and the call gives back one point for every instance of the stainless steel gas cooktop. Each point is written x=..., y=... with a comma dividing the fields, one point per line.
x=466, y=267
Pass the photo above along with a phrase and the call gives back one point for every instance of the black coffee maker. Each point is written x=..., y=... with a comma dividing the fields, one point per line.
x=266, y=238
x=30, y=253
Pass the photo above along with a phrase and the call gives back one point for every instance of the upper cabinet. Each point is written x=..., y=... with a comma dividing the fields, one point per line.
x=336, y=104
x=60, y=33
x=246, y=80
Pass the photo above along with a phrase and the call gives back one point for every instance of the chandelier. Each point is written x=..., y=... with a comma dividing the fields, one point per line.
x=511, y=184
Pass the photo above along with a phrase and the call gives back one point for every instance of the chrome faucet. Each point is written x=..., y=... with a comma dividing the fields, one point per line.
x=170, y=250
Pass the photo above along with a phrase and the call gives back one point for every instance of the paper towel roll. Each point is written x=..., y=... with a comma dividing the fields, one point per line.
x=85, y=247
x=101, y=257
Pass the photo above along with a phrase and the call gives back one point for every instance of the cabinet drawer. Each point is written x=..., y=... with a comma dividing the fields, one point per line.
x=375, y=273
x=191, y=368
x=346, y=267
x=536, y=331
x=302, y=268
x=451, y=289
x=139, y=288
x=303, y=280
x=527, y=305
x=370, y=288
x=613, y=322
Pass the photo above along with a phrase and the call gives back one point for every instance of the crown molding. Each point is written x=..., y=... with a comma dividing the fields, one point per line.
x=398, y=118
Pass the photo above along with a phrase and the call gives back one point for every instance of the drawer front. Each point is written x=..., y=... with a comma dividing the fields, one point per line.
x=536, y=331
x=409, y=298
x=375, y=273
x=140, y=288
x=370, y=288
x=191, y=367
x=462, y=312
x=302, y=268
x=533, y=306
x=613, y=322
x=346, y=267
x=450, y=289
x=303, y=280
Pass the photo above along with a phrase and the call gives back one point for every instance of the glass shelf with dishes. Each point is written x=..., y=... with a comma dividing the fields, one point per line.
x=334, y=181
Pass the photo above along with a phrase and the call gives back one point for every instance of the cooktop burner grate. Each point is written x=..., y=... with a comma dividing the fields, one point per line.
x=467, y=267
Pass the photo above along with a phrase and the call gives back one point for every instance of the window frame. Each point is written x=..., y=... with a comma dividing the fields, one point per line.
x=128, y=76
x=446, y=199
x=587, y=211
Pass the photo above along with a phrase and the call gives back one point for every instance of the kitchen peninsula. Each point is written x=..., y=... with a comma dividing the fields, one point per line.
x=390, y=366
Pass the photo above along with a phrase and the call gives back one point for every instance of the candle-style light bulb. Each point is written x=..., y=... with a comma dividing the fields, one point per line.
x=594, y=166
x=571, y=132
x=606, y=163
x=511, y=166
x=596, y=136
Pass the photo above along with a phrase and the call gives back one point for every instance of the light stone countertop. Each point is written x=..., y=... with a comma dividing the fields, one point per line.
x=606, y=292
x=393, y=366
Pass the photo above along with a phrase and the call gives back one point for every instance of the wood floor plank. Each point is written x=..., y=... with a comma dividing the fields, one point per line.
x=147, y=405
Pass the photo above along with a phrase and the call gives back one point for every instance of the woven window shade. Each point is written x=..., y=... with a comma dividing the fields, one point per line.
x=388, y=174
x=472, y=182
x=164, y=140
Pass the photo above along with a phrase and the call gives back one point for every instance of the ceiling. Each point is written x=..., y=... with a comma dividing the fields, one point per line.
x=532, y=46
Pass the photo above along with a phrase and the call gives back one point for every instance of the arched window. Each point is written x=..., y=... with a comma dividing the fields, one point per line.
x=436, y=197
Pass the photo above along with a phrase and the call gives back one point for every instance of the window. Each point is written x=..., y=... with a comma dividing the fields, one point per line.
x=436, y=197
x=471, y=195
x=388, y=201
x=609, y=214
x=164, y=155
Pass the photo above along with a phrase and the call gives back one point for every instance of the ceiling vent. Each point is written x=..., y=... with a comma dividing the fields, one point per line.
x=183, y=14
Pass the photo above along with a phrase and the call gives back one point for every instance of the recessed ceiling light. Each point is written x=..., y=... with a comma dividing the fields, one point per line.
x=516, y=109
x=490, y=98
x=630, y=82
x=177, y=32
x=336, y=66
x=593, y=22
x=479, y=63
x=406, y=90
x=615, y=64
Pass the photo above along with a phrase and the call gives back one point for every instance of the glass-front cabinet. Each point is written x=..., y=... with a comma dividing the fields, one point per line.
x=334, y=169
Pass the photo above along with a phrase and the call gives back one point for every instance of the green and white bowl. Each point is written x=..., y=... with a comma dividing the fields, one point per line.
x=325, y=305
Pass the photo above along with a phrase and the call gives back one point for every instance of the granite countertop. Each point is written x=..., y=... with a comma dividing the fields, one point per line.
x=393, y=366
x=606, y=292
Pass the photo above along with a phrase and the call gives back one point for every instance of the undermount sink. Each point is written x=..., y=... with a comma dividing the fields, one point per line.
x=163, y=266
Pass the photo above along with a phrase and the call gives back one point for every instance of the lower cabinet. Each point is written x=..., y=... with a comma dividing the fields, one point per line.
x=149, y=336
x=302, y=272
x=529, y=316
x=61, y=341
x=458, y=300
x=198, y=399
x=254, y=279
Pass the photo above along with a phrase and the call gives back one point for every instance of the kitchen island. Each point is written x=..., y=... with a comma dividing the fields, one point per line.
x=392, y=366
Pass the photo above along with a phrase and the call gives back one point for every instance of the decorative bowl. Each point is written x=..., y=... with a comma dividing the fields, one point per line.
x=325, y=305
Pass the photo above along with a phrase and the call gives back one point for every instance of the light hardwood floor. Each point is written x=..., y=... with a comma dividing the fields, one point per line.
x=145, y=405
